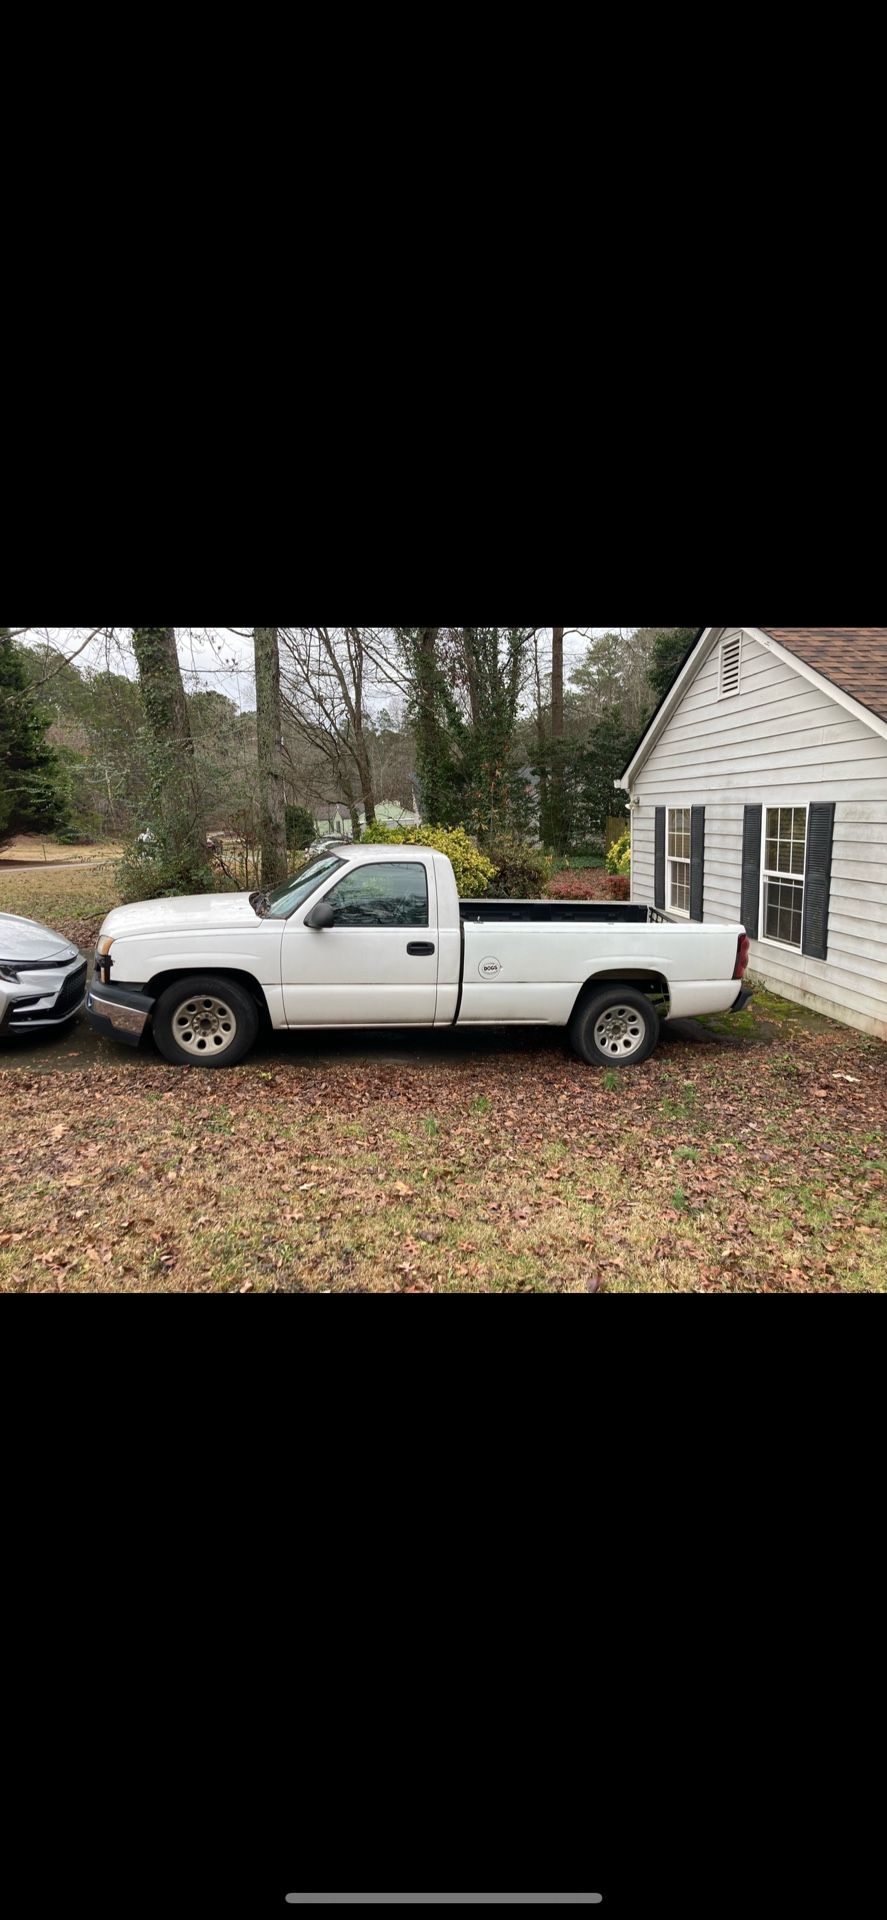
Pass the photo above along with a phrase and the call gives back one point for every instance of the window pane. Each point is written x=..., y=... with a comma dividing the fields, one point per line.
x=783, y=911
x=284, y=900
x=679, y=833
x=785, y=844
x=393, y=895
x=679, y=896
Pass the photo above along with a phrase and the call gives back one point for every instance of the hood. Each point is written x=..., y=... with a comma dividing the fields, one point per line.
x=190, y=913
x=27, y=943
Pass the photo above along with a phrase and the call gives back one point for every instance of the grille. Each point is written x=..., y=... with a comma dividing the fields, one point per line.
x=72, y=991
x=69, y=997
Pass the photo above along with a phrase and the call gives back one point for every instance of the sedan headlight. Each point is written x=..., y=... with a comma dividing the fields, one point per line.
x=8, y=973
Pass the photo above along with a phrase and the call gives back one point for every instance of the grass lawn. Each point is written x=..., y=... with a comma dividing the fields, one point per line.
x=740, y=1159
x=72, y=899
x=29, y=847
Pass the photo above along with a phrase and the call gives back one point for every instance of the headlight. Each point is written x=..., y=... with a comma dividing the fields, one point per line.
x=105, y=944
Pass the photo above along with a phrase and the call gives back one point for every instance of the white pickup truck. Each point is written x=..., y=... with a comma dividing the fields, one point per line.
x=378, y=937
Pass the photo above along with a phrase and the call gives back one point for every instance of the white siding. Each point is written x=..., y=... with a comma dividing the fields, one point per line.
x=780, y=740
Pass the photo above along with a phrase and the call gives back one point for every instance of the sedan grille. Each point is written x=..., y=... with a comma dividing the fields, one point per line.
x=73, y=990
x=29, y=1013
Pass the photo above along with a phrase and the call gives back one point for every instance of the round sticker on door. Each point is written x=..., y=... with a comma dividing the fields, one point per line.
x=488, y=969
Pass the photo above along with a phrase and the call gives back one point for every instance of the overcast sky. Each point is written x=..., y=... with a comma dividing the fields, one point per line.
x=222, y=657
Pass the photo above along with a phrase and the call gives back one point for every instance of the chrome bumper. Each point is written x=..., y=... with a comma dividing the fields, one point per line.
x=119, y=1013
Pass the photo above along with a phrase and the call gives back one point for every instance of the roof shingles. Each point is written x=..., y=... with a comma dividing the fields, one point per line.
x=854, y=658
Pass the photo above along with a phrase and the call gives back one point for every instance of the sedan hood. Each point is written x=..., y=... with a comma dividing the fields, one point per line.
x=190, y=913
x=25, y=943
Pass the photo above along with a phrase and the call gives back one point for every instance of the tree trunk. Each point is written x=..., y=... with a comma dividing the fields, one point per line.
x=176, y=797
x=366, y=777
x=557, y=737
x=269, y=728
x=468, y=655
x=542, y=743
x=557, y=683
x=428, y=743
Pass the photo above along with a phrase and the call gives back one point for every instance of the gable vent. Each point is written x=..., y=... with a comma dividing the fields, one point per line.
x=731, y=665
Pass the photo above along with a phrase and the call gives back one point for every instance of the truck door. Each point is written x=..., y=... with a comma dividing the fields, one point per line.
x=377, y=964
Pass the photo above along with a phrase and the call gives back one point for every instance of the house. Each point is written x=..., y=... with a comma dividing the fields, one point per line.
x=759, y=793
x=336, y=820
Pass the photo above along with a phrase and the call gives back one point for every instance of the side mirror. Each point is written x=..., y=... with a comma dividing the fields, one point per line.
x=321, y=916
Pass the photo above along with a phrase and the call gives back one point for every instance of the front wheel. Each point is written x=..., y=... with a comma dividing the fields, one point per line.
x=205, y=1022
x=616, y=1027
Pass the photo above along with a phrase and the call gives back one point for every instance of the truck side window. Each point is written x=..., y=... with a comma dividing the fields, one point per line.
x=391, y=895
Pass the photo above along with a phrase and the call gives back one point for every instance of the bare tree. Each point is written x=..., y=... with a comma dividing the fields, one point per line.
x=325, y=683
x=269, y=725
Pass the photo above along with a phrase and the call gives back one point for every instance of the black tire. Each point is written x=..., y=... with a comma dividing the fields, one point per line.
x=627, y=1037
x=205, y=1021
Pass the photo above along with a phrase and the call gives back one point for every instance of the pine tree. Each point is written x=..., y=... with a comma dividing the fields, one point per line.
x=32, y=798
x=670, y=649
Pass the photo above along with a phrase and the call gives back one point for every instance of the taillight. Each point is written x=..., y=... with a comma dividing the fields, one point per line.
x=742, y=952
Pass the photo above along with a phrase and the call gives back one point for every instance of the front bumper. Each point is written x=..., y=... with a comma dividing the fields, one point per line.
x=118, y=1012
x=42, y=998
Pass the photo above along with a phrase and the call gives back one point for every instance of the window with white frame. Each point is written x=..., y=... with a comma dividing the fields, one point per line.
x=731, y=665
x=782, y=875
x=679, y=859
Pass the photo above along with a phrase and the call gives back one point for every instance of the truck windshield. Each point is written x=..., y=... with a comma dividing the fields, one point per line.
x=282, y=901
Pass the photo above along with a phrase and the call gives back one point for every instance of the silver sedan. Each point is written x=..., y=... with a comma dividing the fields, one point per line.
x=42, y=978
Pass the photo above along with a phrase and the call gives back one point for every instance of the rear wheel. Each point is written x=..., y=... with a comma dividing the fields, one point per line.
x=615, y=1027
x=205, y=1022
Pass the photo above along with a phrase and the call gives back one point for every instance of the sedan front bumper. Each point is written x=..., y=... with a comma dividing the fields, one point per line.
x=118, y=1012
x=42, y=997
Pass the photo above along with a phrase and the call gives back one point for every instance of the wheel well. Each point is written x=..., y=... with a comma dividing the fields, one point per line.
x=654, y=985
x=161, y=981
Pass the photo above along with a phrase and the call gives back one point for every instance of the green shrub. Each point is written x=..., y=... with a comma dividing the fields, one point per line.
x=619, y=854
x=522, y=871
x=300, y=828
x=154, y=873
x=474, y=872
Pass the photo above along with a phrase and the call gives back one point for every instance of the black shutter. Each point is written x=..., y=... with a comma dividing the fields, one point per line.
x=751, y=870
x=697, y=861
x=659, y=872
x=818, y=878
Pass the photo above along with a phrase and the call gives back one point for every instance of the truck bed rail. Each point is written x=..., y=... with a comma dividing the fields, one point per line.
x=559, y=912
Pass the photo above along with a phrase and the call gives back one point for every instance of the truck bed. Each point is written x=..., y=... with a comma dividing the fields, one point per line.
x=585, y=912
